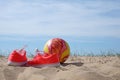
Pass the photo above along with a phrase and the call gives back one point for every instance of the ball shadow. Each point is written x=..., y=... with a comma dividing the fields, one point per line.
x=73, y=63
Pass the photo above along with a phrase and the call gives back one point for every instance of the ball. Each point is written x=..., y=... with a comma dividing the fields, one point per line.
x=58, y=46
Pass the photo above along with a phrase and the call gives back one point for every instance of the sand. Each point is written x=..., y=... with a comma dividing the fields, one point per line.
x=75, y=68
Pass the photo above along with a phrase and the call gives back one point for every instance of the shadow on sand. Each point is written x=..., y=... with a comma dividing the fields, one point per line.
x=73, y=63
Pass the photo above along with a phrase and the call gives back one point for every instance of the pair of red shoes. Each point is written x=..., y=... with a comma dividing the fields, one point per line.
x=18, y=58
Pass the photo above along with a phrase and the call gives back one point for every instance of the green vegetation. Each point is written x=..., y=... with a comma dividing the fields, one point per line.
x=4, y=53
x=101, y=53
x=77, y=53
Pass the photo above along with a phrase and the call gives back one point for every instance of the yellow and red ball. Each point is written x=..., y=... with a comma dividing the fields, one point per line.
x=58, y=46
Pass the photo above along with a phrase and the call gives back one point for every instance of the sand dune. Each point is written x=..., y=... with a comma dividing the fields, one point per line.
x=75, y=68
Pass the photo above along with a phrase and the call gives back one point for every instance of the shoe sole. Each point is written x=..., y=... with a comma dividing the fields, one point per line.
x=11, y=63
x=47, y=65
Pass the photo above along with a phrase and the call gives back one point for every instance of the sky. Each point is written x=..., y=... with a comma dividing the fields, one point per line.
x=87, y=25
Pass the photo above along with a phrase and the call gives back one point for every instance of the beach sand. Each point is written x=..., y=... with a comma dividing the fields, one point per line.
x=75, y=68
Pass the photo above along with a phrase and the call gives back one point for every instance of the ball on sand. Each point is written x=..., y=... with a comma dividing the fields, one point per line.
x=58, y=46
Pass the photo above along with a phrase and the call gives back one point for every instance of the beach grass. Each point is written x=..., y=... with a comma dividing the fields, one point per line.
x=101, y=53
x=74, y=54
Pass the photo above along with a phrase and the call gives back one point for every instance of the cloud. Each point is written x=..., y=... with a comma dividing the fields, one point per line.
x=67, y=18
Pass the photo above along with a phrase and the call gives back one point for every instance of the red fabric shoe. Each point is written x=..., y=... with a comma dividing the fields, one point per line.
x=42, y=60
x=17, y=58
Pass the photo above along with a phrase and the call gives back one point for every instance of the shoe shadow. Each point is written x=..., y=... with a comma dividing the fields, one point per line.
x=73, y=63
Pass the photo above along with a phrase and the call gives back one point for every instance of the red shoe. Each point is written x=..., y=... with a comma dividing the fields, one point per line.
x=17, y=58
x=41, y=60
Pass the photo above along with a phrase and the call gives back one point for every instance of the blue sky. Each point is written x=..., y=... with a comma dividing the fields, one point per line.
x=88, y=25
